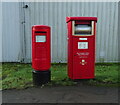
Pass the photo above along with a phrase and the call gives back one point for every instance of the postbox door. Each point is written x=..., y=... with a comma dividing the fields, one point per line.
x=83, y=58
x=41, y=51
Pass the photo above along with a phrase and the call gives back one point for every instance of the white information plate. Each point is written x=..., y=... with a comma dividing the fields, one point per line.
x=82, y=38
x=40, y=38
x=82, y=45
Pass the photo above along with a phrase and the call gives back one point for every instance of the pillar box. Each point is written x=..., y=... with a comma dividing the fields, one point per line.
x=41, y=57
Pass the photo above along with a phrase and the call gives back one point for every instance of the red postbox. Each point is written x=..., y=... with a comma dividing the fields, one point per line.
x=81, y=47
x=41, y=57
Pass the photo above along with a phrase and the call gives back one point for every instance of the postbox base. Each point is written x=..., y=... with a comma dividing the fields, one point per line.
x=41, y=77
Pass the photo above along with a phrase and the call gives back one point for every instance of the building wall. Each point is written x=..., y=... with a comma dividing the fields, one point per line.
x=18, y=22
x=10, y=32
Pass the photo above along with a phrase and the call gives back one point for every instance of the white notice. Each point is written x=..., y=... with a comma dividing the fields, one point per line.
x=82, y=45
x=40, y=38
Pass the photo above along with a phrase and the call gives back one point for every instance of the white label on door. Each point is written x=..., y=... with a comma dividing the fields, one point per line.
x=40, y=38
x=82, y=45
x=82, y=38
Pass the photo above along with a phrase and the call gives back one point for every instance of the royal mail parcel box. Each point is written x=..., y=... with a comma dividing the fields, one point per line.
x=81, y=47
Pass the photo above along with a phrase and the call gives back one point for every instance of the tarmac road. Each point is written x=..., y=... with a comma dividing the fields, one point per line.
x=62, y=94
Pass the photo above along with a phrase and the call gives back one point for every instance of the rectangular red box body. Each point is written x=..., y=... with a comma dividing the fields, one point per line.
x=81, y=47
x=41, y=56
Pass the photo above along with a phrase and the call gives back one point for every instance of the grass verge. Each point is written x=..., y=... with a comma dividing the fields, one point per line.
x=19, y=76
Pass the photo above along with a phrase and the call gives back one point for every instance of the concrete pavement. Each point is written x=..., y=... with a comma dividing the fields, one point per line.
x=62, y=94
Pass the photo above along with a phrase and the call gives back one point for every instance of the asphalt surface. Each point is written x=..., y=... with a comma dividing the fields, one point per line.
x=63, y=94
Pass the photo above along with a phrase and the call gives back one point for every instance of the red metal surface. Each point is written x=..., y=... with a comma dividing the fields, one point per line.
x=41, y=57
x=81, y=18
x=75, y=68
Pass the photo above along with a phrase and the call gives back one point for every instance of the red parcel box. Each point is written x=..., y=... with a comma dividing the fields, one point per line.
x=41, y=57
x=81, y=47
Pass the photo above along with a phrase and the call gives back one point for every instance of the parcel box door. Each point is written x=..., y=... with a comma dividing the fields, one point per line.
x=83, y=58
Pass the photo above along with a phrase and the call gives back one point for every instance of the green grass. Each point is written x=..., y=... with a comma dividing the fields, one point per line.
x=16, y=75
x=108, y=74
x=19, y=76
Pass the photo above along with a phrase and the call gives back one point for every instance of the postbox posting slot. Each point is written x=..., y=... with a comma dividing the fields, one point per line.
x=40, y=32
x=40, y=38
x=82, y=28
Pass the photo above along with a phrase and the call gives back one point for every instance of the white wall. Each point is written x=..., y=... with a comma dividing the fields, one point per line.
x=54, y=14
x=10, y=32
